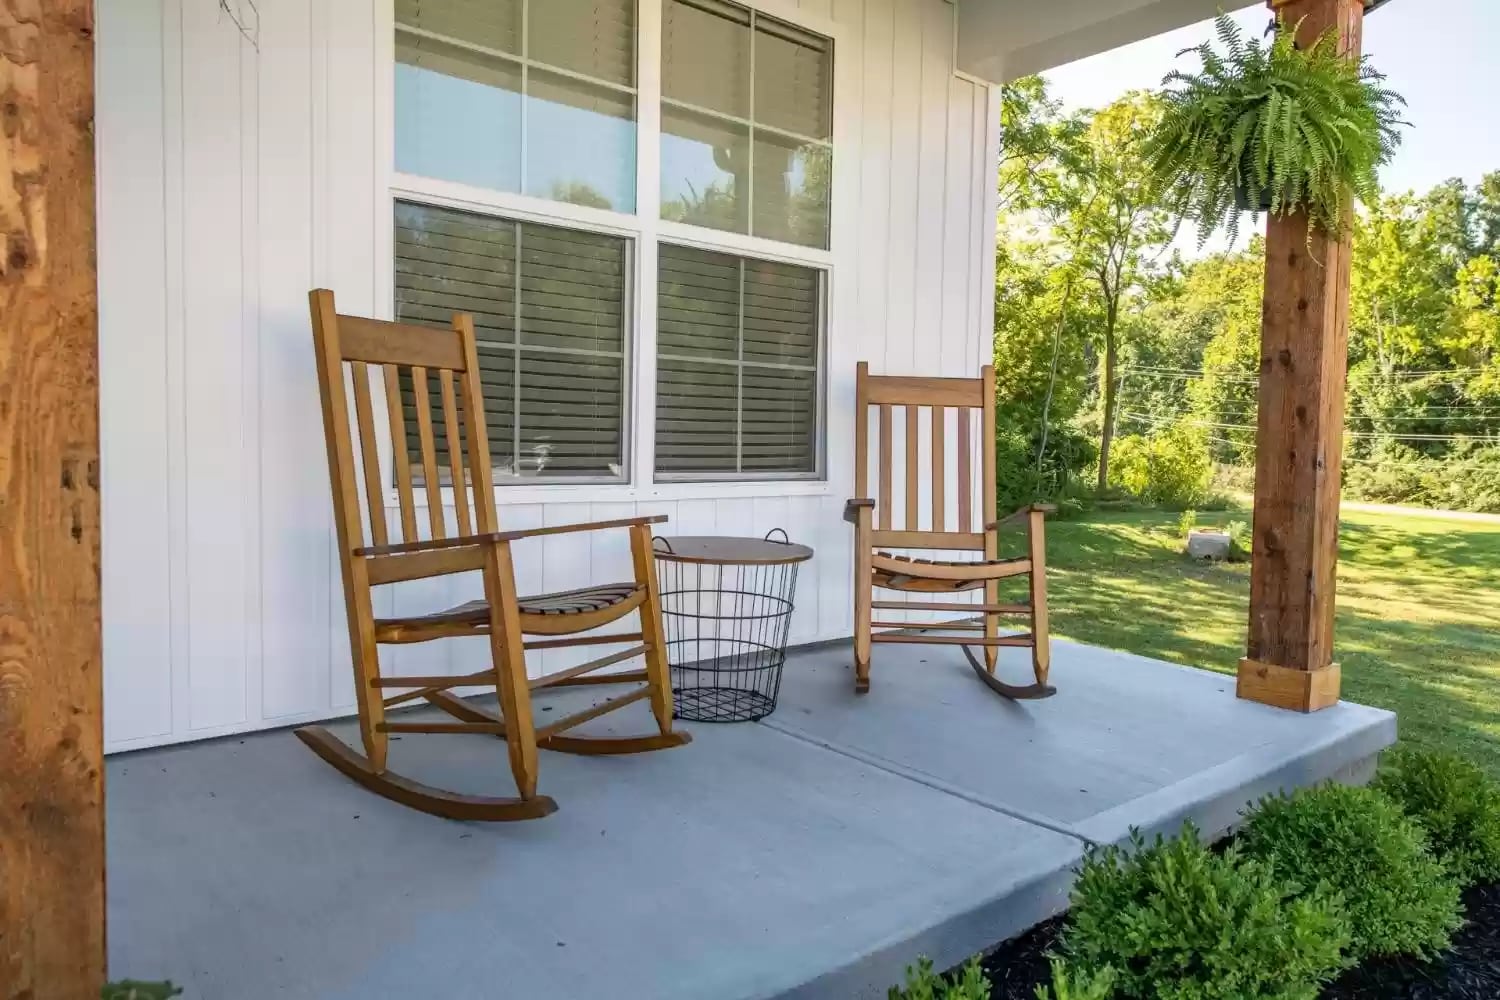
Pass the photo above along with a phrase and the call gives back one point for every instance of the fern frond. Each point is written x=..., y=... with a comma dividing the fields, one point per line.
x=1302, y=129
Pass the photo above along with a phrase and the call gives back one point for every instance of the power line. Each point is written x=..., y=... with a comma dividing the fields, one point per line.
x=1199, y=373
x=1360, y=435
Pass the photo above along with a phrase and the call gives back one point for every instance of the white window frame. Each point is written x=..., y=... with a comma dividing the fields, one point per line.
x=645, y=229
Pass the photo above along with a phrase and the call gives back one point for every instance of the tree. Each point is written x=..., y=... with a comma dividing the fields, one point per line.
x=1117, y=230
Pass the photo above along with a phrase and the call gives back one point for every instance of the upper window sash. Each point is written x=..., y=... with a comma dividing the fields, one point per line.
x=746, y=122
x=503, y=94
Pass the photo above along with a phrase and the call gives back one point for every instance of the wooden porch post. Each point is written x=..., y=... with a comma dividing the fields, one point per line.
x=51, y=725
x=1304, y=350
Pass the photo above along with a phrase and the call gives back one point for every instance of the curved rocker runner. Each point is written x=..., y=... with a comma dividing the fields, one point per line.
x=407, y=363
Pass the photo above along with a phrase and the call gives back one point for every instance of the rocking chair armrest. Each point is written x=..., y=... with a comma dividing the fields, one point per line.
x=562, y=529
x=492, y=537
x=854, y=506
x=1016, y=515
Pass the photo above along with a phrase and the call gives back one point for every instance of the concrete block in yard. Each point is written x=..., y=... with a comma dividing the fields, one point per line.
x=1211, y=545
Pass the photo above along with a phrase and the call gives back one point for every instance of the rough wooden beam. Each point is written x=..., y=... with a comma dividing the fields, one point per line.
x=51, y=731
x=1304, y=353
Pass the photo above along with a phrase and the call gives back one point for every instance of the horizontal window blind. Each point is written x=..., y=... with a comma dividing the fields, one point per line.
x=549, y=307
x=738, y=386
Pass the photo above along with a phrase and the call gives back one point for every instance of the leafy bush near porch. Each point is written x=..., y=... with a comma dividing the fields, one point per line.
x=1176, y=921
x=1170, y=468
x=131, y=989
x=1357, y=844
x=1455, y=803
x=1073, y=984
x=969, y=983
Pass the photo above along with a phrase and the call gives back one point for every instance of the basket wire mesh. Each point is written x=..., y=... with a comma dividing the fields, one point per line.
x=726, y=629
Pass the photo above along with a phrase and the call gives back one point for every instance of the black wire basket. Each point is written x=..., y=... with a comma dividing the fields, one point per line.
x=726, y=608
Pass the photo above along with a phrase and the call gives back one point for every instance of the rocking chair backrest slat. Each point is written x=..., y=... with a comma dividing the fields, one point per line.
x=969, y=399
x=365, y=415
x=884, y=505
x=455, y=451
x=423, y=405
x=408, y=359
x=400, y=456
x=965, y=475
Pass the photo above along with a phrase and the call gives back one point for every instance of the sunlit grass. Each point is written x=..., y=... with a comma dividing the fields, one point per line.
x=1418, y=627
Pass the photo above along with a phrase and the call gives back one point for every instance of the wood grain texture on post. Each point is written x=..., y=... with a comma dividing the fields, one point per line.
x=51, y=725
x=1304, y=354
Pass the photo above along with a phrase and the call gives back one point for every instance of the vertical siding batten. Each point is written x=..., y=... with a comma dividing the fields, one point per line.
x=133, y=331
x=213, y=298
x=296, y=520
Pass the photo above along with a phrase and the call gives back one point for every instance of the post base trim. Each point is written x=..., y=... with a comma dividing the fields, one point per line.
x=1287, y=687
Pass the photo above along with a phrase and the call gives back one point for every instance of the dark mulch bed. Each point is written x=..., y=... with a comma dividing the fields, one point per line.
x=1471, y=971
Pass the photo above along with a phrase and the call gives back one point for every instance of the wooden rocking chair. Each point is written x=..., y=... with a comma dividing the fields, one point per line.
x=875, y=567
x=503, y=616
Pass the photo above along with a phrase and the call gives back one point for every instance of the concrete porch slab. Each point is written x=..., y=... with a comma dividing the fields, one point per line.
x=1127, y=742
x=812, y=855
x=747, y=864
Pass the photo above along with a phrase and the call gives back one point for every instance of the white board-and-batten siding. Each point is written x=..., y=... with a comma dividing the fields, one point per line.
x=239, y=157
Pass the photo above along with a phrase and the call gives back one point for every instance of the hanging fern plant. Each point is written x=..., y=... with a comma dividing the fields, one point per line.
x=1272, y=127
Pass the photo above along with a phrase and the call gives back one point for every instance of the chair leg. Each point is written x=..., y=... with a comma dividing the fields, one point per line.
x=366, y=653
x=658, y=675
x=991, y=625
x=508, y=651
x=862, y=599
x=1041, y=650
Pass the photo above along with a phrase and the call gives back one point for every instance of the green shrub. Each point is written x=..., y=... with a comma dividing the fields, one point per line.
x=131, y=989
x=1466, y=479
x=1239, y=541
x=1020, y=479
x=1170, y=468
x=1186, y=523
x=1398, y=898
x=1176, y=921
x=1455, y=803
x=969, y=983
x=1073, y=984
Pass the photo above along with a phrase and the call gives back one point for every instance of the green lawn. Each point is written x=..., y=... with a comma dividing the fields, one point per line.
x=1418, y=626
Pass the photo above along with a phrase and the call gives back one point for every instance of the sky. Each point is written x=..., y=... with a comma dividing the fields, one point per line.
x=1443, y=56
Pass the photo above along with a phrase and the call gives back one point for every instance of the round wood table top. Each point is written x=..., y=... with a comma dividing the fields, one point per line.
x=728, y=550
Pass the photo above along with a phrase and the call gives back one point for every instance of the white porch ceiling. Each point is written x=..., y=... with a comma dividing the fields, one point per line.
x=1000, y=40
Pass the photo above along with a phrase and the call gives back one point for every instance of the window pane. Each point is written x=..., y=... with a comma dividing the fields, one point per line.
x=781, y=314
x=706, y=55
x=555, y=402
x=779, y=421
x=593, y=37
x=695, y=417
x=793, y=79
x=449, y=261
x=572, y=289
x=493, y=24
x=580, y=142
x=463, y=98
x=443, y=93
x=750, y=405
x=698, y=303
x=792, y=186
x=704, y=166
x=571, y=406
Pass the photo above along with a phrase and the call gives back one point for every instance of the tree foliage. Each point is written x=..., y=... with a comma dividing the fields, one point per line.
x=1089, y=296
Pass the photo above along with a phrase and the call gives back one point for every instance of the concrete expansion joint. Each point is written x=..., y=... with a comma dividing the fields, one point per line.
x=927, y=781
